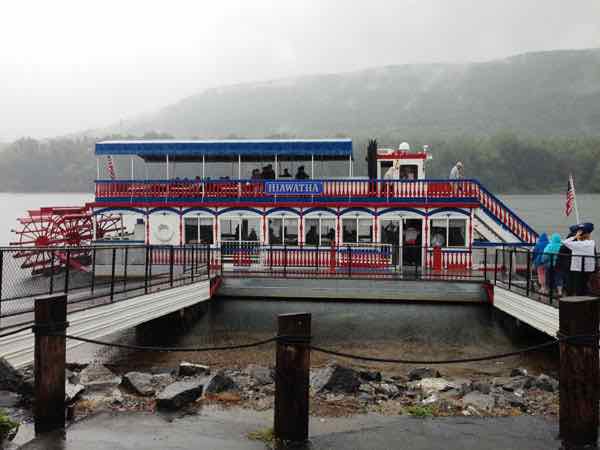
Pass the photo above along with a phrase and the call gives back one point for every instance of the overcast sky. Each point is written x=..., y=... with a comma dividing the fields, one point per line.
x=66, y=66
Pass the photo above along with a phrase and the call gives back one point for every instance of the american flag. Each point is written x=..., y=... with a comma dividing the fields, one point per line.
x=570, y=197
x=110, y=167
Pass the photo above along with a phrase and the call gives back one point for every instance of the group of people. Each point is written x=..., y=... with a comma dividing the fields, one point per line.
x=268, y=173
x=564, y=266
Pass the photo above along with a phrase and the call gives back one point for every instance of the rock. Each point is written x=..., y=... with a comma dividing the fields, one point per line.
x=501, y=381
x=261, y=375
x=515, y=401
x=76, y=367
x=431, y=385
x=103, y=397
x=482, y=402
x=10, y=378
x=187, y=369
x=97, y=377
x=219, y=382
x=519, y=372
x=178, y=394
x=389, y=390
x=517, y=383
x=72, y=391
x=71, y=376
x=546, y=383
x=364, y=397
x=471, y=411
x=367, y=389
x=141, y=383
x=481, y=386
x=430, y=400
x=423, y=372
x=9, y=399
x=368, y=375
x=335, y=378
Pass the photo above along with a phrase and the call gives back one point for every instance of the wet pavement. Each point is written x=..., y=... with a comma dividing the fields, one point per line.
x=228, y=430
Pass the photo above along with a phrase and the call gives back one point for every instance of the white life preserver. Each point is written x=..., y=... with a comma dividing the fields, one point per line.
x=163, y=232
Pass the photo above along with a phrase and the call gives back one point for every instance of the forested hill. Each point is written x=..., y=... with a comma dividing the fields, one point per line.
x=553, y=93
x=521, y=124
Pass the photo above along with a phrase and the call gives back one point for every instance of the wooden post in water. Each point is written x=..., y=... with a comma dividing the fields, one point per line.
x=49, y=363
x=579, y=371
x=292, y=371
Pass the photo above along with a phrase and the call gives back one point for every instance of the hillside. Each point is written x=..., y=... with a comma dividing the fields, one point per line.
x=538, y=94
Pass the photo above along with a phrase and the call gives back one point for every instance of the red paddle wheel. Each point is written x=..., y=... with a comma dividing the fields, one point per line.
x=46, y=230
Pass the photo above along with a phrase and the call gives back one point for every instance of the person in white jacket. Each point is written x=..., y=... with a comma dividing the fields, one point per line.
x=583, y=261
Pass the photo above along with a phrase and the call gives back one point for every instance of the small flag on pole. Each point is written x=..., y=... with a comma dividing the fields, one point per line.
x=110, y=167
x=570, y=196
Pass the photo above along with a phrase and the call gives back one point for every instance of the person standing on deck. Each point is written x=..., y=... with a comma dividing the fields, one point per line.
x=554, y=274
x=538, y=266
x=457, y=171
x=583, y=261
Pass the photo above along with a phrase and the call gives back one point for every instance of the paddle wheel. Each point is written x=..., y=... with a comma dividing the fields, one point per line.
x=46, y=230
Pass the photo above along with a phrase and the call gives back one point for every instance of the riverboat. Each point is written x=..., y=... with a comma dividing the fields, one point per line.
x=393, y=219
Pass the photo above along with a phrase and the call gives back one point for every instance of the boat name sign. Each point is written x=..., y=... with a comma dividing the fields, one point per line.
x=294, y=187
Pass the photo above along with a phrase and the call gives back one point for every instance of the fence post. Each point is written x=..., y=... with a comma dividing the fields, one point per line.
x=93, y=286
x=579, y=371
x=112, y=274
x=147, y=257
x=495, y=266
x=528, y=277
x=49, y=362
x=510, y=268
x=292, y=369
x=485, y=277
x=67, y=270
x=208, y=257
x=125, y=268
x=285, y=261
x=171, y=256
x=349, y=262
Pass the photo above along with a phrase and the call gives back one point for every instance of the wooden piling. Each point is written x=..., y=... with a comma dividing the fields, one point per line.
x=49, y=363
x=579, y=371
x=292, y=372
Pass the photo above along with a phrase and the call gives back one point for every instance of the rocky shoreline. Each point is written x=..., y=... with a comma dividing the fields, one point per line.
x=335, y=390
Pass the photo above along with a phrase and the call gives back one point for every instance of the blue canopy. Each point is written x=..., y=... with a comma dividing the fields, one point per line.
x=228, y=150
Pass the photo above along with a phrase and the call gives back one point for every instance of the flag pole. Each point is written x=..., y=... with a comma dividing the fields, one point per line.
x=575, y=200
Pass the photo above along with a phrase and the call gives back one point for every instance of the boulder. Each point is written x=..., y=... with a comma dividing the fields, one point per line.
x=517, y=383
x=335, y=378
x=546, y=383
x=481, y=386
x=423, y=372
x=519, y=372
x=9, y=399
x=515, y=401
x=389, y=390
x=187, y=369
x=71, y=376
x=261, y=375
x=139, y=382
x=219, y=382
x=97, y=377
x=72, y=391
x=368, y=375
x=431, y=385
x=367, y=389
x=10, y=378
x=481, y=402
x=178, y=394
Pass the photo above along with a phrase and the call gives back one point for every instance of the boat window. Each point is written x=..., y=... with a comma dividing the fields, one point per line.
x=205, y=226
x=250, y=229
x=457, y=232
x=357, y=230
x=448, y=232
x=319, y=231
x=438, y=232
x=240, y=229
x=191, y=230
x=283, y=230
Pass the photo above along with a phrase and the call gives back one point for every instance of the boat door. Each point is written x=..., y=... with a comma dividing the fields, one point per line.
x=391, y=233
x=412, y=242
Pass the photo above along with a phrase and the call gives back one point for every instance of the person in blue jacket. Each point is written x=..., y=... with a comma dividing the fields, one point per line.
x=554, y=275
x=538, y=265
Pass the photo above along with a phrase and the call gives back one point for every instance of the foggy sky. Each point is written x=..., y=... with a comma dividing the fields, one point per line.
x=66, y=66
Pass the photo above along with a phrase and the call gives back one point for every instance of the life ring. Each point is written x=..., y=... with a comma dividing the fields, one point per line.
x=163, y=232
